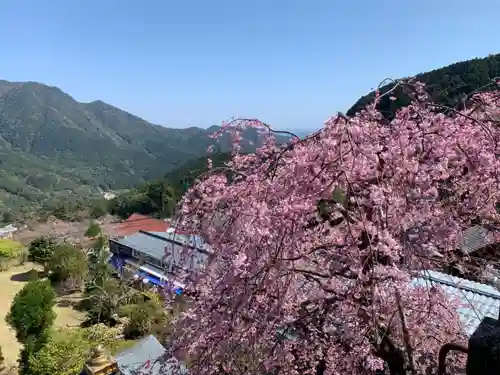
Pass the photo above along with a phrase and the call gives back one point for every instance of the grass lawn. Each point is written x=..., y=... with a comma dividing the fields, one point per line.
x=12, y=281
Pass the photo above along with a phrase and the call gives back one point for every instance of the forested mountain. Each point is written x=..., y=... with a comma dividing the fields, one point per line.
x=53, y=146
x=160, y=196
x=448, y=86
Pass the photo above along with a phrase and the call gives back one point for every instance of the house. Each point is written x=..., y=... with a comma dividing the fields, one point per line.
x=7, y=231
x=148, y=356
x=137, y=222
x=476, y=251
x=109, y=195
x=478, y=300
x=159, y=258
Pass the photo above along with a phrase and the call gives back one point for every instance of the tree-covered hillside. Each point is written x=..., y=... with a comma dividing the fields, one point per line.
x=448, y=86
x=53, y=147
x=160, y=196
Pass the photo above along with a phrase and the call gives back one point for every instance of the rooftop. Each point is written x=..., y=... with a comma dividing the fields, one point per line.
x=479, y=300
x=148, y=356
x=193, y=240
x=475, y=238
x=160, y=247
x=137, y=222
x=8, y=229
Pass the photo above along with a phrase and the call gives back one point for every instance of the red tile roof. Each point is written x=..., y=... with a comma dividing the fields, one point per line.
x=137, y=222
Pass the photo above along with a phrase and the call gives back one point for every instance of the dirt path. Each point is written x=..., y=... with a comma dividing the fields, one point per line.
x=11, y=282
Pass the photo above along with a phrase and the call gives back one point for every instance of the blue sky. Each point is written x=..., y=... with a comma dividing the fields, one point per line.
x=196, y=63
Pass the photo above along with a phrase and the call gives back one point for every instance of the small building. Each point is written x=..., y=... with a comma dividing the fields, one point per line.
x=478, y=300
x=147, y=356
x=476, y=251
x=7, y=231
x=109, y=195
x=159, y=258
x=137, y=222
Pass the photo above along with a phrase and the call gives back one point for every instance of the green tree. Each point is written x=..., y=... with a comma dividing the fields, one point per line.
x=99, y=268
x=155, y=197
x=66, y=350
x=68, y=266
x=161, y=197
x=8, y=217
x=93, y=230
x=447, y=86
x=63, y=354
x=98, y=208
x=142, y=318
x=105, y=300
x=31, y=313
x=41, y=249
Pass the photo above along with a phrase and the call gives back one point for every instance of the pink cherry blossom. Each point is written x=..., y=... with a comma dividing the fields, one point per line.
x=315, y=243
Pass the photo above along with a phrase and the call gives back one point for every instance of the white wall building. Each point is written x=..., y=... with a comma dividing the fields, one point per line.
x=7, y=231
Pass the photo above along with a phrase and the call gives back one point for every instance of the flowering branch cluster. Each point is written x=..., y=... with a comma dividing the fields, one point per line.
x=315, y=242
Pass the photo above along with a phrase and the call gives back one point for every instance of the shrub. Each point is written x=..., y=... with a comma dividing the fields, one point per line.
x=31, y=313
x=10, y=248
x=93, y=230
x=41, y=249
x=142, y=318
x=68, y=265
x=66, y=350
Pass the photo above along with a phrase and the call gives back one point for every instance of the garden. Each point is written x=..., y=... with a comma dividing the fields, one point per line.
x=64, y=300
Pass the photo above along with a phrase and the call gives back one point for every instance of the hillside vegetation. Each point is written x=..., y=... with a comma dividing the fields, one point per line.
x=447, y=86
x=54, y=148
x=160, y=196
x=57, y=154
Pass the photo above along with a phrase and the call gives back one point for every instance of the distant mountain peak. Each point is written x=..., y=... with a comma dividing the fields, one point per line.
x=51, y=145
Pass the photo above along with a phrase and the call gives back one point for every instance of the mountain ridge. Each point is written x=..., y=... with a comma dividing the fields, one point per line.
x=52, y=145
x=447, y=86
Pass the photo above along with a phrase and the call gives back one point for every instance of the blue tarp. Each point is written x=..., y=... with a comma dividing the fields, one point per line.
x=152, y=279
x=116, y=262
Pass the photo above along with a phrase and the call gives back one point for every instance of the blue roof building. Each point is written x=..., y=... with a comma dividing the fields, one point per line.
x=159, y=257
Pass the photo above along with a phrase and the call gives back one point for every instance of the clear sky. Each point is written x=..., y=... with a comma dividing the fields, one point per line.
x=291, y=63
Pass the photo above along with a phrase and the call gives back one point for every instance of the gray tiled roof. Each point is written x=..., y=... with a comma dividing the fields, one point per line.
x=160, y=247
x=193, y=240
x=479, y=300
x=7, y=229
x=474, y=239
x=148, y=356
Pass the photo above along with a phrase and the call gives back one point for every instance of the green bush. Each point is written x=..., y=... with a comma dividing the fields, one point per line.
x=31, y=313
x=94, y=230
x=68, y=264
x=41, y=249
x=10, y=248
x=66, y=350
x=142, y=318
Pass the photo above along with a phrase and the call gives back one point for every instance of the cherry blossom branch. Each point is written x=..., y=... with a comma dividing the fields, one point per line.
x=257, y=121
x=406, y=333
